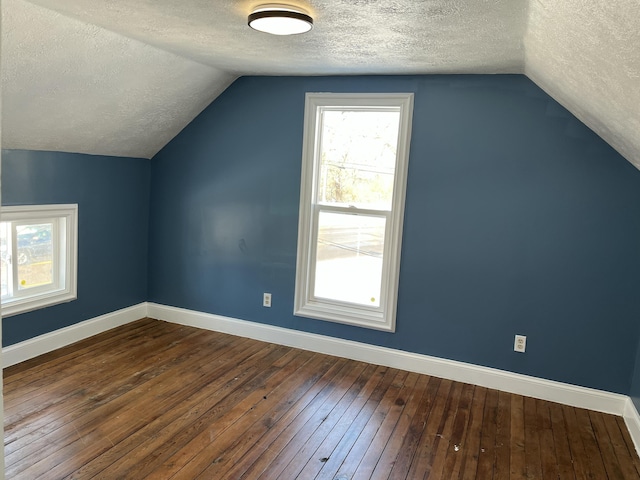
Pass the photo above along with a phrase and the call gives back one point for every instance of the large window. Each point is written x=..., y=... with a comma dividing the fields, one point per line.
x=38, y=250
x=353, y=185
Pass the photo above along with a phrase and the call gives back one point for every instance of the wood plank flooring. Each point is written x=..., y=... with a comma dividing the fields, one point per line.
x=154, y=400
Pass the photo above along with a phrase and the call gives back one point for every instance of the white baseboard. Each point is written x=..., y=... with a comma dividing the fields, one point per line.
x=33, y=347
x=632, y=420
x=463, y=372
x=564, y=393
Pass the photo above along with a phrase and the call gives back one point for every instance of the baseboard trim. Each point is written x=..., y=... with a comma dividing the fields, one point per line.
x=632, y=420
x=567, y=394
x=48, y=342
x=564, y=393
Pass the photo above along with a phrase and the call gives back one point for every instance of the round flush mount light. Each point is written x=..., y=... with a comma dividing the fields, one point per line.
x=280, y=19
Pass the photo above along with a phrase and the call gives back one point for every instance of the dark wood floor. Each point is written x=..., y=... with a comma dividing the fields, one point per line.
x=156, y=400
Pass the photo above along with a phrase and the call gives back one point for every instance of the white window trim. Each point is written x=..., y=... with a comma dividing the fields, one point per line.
x=305, y=305
x=68, y=268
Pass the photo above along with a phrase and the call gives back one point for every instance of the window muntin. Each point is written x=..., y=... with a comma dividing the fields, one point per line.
x=38, y=248
x=352, y=207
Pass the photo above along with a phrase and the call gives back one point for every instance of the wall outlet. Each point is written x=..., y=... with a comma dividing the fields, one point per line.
x=266, y=299
x=520, y=343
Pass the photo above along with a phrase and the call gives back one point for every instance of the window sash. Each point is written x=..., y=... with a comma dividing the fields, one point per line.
x=320, y=141
x=17, y=292
x=313, y=254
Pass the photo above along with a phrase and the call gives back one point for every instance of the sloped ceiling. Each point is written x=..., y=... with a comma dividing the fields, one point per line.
x=122, y=77
x=586, y=54
x=72, y=86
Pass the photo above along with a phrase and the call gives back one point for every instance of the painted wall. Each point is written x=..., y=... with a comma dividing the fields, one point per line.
x=634, y=392
x=518, y=219
x=113, y=204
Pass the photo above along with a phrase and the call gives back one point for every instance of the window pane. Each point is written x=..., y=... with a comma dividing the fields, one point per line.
x=4, y=257
x=358, y=158
x=35, y=255
x=349, y=258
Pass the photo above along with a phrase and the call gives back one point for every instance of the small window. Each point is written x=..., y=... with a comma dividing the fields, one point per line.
x=354, y=171
x=38, y=248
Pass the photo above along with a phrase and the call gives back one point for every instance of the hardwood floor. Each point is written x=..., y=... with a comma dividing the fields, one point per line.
x=154, y=400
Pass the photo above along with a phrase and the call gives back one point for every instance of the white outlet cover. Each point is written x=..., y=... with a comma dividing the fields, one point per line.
x=520, y=343
x=266, y=300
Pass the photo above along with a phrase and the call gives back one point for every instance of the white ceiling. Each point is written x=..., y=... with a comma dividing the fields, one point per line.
x=123, y=77
x=75, y=87
x=586, y=54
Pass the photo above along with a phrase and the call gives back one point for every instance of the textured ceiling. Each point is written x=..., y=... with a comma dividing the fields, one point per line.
x=586, y=54
x=75, y=87
x=122, y=77
x=350, y=36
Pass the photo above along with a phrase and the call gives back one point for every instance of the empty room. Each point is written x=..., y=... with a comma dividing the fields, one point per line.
x=320, y=240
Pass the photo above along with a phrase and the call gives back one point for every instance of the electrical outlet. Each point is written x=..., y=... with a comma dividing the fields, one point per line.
x=520, y=343
x=266, y=300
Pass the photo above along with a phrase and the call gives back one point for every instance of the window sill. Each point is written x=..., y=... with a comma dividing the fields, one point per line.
x=347, y=315
x=23, y=305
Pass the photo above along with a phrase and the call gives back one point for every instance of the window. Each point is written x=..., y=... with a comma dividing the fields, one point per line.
x=38, y=248
x=354, y=170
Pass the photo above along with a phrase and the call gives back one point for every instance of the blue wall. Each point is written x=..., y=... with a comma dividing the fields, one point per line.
x=519, y=219
x=113, y=206
x=634, y=392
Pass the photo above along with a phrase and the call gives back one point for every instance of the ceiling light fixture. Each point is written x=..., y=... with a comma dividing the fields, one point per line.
x=280, y=19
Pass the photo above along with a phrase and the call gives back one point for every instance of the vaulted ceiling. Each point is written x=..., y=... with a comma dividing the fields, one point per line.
x=123, y=77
